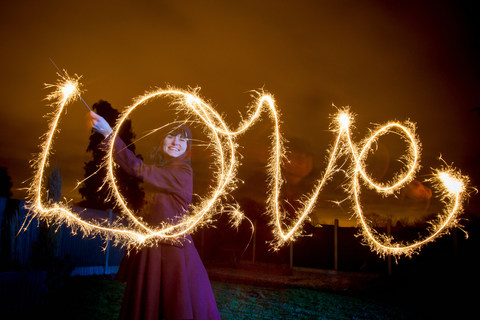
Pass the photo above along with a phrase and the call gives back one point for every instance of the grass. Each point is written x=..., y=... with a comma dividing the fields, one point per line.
x=415, y=293
x=251, y=302
x=99, y=297
x=87, y=298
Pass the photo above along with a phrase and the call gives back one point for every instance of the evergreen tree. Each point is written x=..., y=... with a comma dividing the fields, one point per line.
x=6, y=235
x=5, y=184
x=54, y=185
x=44, y=250
x=93, y=191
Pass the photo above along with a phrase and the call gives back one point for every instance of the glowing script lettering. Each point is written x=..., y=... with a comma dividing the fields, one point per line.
x=451, y=183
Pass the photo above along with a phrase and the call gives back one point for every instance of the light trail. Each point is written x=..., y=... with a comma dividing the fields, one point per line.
x=452, y=185
x=67, y=90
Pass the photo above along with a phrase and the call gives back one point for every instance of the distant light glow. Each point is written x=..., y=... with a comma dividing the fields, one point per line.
x=452, y=188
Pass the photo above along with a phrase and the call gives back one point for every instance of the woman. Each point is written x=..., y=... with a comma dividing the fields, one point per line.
x=167, y=280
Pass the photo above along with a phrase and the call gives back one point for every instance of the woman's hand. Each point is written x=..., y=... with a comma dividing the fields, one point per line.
x=99, y=124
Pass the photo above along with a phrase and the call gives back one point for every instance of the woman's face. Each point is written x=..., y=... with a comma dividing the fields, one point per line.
x=174, y=145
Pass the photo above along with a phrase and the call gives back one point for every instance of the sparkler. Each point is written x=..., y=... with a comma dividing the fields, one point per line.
x=451, y=184
x=70, y=89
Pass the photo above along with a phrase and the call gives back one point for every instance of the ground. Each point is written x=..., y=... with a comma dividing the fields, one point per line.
x=272, y=292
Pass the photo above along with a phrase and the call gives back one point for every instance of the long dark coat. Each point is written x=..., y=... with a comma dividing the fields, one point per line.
x=164, y=281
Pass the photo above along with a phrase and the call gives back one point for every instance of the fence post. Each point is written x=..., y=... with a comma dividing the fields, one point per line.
x=107, y=250
x=389, y=257
x=291, y=254
x=335, y=245
x=455, y=249
x=254, y=240
x=202, y=243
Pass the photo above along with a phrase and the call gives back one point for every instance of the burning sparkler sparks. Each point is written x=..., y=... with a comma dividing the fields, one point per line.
x=452, y=185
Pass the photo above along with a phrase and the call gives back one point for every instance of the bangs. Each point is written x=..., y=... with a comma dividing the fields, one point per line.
x=182, y=132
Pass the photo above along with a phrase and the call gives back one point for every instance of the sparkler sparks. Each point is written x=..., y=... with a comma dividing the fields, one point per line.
x=452, y=185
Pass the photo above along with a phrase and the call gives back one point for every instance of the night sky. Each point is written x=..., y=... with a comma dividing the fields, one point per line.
x=386, y=61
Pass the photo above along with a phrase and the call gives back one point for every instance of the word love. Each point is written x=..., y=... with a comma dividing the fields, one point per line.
x=450, y=183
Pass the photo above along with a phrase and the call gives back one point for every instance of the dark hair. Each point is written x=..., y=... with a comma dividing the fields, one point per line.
x=183, y=130
x=159, y=157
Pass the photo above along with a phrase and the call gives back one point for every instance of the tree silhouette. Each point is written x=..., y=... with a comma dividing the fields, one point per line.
x=93, y=192
x=6, y=235
x=54, y=185
x=6, y=183
x=44, y=250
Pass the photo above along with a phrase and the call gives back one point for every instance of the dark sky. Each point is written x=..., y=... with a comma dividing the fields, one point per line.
x=387, y=61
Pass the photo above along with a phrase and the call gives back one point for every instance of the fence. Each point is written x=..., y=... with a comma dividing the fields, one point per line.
x=85, y=255
x=330, y=247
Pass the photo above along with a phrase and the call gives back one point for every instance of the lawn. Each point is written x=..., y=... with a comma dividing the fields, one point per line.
x=99, y=297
